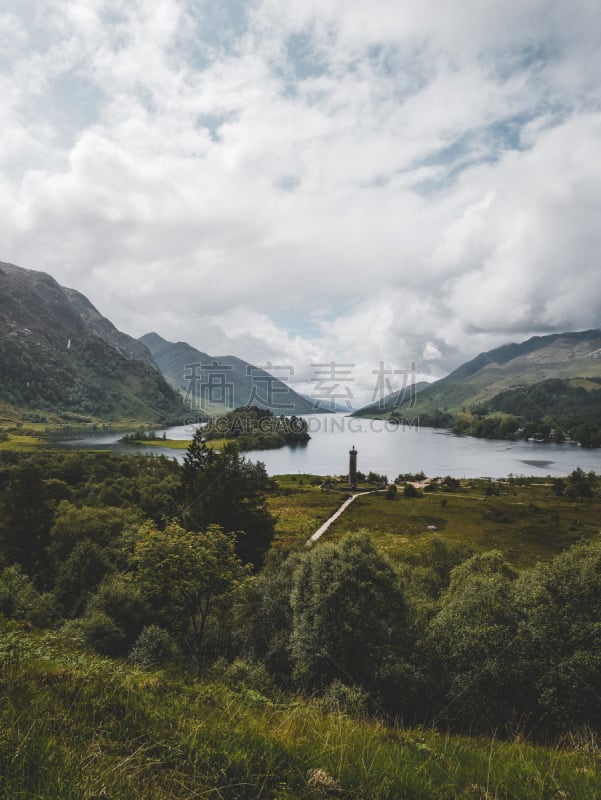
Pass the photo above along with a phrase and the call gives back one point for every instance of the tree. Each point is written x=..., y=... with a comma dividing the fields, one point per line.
x=122, y=601
x=471, y=643
x=222, y=488
x=350, y=618
x=262, y=616
x=103, y=526
x=560, y=606
x=25, y=521
x=186, y=572
x=79, y=575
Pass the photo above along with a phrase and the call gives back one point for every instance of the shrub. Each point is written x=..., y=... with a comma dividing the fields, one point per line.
x=352, y=700
x=19, y=599
x=154, y=648
x=122, y=601
x=97, y=631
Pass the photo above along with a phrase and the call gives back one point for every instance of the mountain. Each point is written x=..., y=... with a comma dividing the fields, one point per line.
x=541, y=358
x=59, y=354
x=103, y=328
x=326, y=405
x=216, y=384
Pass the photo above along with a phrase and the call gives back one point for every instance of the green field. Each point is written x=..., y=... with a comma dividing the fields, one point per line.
x=526, y=522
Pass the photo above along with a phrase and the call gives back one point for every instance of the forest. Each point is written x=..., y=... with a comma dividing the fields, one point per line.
x=162, y=564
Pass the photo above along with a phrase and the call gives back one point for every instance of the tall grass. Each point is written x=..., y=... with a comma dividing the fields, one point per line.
x=76, y=726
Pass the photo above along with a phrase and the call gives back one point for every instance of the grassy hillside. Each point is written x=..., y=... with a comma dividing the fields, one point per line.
x=76, y=726
x=157, y=642
x=567, y=355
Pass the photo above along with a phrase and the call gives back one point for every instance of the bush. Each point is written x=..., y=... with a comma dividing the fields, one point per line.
x=122, y=601
x=242, y=675
x=351, y=700
x=97, y=631
x=19, y=599
x=79, y=575
x=154, y=648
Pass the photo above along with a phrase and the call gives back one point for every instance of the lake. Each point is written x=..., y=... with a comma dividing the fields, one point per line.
x=390, y=450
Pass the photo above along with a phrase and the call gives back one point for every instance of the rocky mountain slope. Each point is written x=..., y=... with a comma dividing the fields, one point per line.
x=217, y=384
x=58, y=353
x=541, y=358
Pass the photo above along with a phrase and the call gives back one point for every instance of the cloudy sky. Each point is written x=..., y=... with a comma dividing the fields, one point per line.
x=300, y=182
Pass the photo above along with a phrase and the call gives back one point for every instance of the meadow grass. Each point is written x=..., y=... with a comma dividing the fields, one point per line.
x=300, y=508
x=77, y=726
x=21, y=443
x=526, y=522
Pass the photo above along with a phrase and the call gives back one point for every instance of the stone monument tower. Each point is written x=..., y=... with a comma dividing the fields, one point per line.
x=352, y=467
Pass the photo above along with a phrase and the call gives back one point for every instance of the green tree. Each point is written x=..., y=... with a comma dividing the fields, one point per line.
x=471, y=643
x=25, y=521
x=560, y=607
x=103, y=526
x=262, y=615
x=79, y=575
x=186, y=571
x=122, y=601
x=350, y=618
x=222, y=488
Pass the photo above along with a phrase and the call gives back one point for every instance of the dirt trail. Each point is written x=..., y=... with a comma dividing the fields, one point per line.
x=320, y=531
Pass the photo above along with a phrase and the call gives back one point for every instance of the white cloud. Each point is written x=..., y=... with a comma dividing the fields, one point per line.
x=400, y=181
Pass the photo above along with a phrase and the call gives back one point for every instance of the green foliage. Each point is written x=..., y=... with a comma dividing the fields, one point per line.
x=122, y=601
x=473, y=643
x=262, y=613
x=153, y=649
x=374, y=477
x=580, y=486
x=391, y=492
x=560, y=603
x=225, y=489
x=346, y=699
x=19, y=599
x=97, y=631
x=461, y=639
x=403, y=477
x=350, y=617
x=255, y=428
x=550, y=410
x=78, y=726
x=25, y=520
x=102, y=525
x=409, y=490
x=185, y=572
x=79, y=575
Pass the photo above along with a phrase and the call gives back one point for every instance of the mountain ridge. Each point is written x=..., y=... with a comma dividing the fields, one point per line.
x=241, y=383
x=59, y=354
x=565, y=355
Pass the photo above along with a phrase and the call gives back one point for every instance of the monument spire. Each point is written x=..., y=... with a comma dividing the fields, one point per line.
x=352, y=467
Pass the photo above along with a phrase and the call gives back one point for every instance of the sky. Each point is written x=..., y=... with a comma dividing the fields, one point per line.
x=300, y=183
